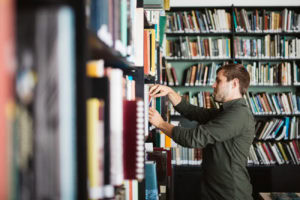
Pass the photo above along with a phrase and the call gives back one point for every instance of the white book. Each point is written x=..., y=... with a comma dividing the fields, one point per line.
x=67, y=107
x=116, y=126
x=275, y=153
x=282, y=134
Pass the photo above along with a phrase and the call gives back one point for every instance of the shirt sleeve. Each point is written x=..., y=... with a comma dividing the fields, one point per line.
x=225, y=126
x=191, y=112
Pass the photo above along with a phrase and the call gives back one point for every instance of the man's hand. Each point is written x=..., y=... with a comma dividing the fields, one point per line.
x=154, y=118
x=162, y=90
x=159, y=90
x=157, y=121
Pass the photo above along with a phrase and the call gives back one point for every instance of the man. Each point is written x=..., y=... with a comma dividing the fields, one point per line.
x=225, y=134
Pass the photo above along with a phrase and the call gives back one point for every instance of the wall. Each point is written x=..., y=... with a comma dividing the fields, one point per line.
x=195, y=3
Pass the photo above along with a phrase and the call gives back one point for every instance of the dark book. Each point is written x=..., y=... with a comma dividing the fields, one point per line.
x=133, y=139
x=161, y=160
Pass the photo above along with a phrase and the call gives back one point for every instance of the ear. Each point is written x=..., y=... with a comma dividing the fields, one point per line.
x=236, y=83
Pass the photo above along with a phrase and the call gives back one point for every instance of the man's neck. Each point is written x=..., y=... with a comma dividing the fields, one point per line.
x=234, y=97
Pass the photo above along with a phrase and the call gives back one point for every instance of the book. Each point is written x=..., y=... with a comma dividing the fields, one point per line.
x=162, y=158
x=116, y=125
x=55, y=152
x=133, y=139
x=151, y=181
x=95, y=148
x=7, y=70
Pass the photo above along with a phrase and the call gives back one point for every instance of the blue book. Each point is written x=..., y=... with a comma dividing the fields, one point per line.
x=180, y=28
x=278, y=128
x=99, y=14
x=256, y=111
x=234, y=21
x=298, y=102
x=278, y=103
x=287, y=125
x=259, y=104
x=151, y=181
x=202, y=26
x=67, y=105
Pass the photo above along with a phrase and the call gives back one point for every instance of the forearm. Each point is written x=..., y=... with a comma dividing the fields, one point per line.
x=174, y=97
x=166, y=128
x=192, y=112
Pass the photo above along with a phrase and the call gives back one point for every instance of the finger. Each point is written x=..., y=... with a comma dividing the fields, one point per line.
x=151, y=110
x=153, y=88
x=156, y=91
x=159, y=95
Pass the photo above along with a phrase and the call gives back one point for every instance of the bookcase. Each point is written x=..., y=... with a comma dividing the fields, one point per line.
x=46, y=112
x=263, y=39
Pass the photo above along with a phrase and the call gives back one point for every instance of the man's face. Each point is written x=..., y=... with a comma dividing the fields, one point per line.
x=222, y=87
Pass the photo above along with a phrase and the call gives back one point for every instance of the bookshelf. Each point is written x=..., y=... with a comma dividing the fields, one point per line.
x=47, y=129
x=188, y=23
x=123, y=157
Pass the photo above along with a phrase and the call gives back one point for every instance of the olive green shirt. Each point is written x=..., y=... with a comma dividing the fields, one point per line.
x=225, y=135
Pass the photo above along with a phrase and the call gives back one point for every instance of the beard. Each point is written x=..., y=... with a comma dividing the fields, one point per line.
x=219, y=96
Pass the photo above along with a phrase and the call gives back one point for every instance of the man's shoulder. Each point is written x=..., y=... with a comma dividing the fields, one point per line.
x=239, y=113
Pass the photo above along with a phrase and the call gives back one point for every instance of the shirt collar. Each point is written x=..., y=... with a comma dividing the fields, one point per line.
x=234, y=102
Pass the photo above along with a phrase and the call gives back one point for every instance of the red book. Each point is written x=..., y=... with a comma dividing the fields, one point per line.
x=169, y=157
x=133, y=139
x=6, y=74
x=174, y=76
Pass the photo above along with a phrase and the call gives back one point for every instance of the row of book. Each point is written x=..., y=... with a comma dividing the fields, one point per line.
x=41, y=113
x=268, y=74
x=186, y=156
x=201, y=99
x=267, y=47
x=201, y=74
x=286, y=128
x=115, y=138
x=150, y=51
x=266, y=153
x=266, y=21
x=191, y=47
x=261, y=153
x=119, y=24
x=208, y=20
x=260, y=103
x=273, y=103
x=196, y=75
x=273, y=73
x=154, y=37
x=161, y=158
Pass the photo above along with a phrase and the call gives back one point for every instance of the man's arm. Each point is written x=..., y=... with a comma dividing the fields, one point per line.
x=189, y=111
x=157, y=121
x=220, y=129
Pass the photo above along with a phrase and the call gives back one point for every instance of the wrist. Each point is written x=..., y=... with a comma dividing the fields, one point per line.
x=161, y=124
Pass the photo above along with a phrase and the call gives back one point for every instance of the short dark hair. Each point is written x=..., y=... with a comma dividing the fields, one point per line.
x=232, y=71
